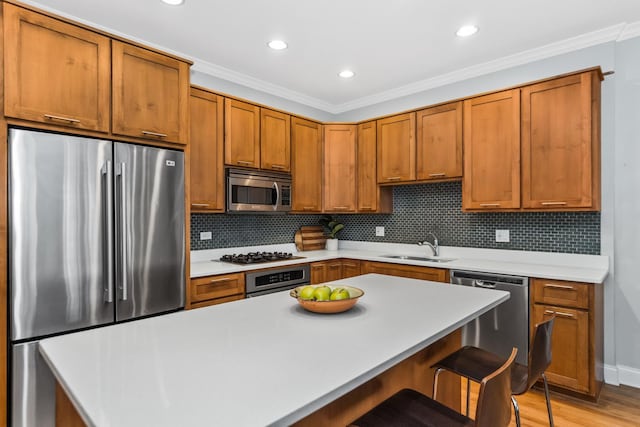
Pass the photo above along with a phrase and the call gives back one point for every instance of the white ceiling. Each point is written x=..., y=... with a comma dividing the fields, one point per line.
x=395, y=47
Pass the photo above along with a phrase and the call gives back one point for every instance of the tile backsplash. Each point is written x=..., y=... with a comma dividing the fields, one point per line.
x=418, y=210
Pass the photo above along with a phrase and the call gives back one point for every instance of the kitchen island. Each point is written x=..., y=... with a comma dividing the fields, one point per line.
x=260, y=361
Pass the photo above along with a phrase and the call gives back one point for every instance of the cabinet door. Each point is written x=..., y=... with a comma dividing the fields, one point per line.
x=275, y=140
x=492, y=152
x=318, y=272
x=569, y=346
x=370, y=197
x=55, y=72
x=397, y=148
x=206, y=288
x=241, y=134
x=559, y=146
x=411, y=271
x=150, y=94
x=439, y=143
x=339, y=168
x=306, y=142
x=350, y=268
x=206, y=148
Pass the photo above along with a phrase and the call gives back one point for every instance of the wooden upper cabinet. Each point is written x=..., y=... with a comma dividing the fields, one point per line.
x=55, y=72
x=241, y=134
x=340, y=168
x=370, y=197
x=206, y=159
x=492, y=152
x=561, y=143
x=439, y=142
x=397, y=148
x=306, y=162
x=150, y=94
x=275, y=140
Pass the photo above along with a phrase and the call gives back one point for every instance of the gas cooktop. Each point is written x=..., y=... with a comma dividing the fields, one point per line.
x=258, y=257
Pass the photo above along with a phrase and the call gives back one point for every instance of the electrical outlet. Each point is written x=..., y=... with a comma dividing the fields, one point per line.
x=502, y=236
x=205, y=235
x=379, y=231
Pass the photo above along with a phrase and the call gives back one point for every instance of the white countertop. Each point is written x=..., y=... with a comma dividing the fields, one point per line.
x=544, y=265
x=255, y=362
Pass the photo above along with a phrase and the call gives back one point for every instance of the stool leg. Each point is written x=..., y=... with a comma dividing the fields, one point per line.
x=546, y=395
x=435, y=383
x=516, y=410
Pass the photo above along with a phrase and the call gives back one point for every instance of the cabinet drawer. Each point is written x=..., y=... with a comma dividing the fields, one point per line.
x=217, y=301
x=558, y=292
x=216, y=287
x=411, y=271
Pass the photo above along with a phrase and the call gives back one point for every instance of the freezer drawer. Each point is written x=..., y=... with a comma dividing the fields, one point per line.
x=33, y=388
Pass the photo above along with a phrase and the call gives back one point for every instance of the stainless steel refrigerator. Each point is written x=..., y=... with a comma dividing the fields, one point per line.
x=96, y=236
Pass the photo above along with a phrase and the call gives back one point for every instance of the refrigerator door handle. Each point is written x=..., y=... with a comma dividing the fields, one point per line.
x=123, y=286
x=107, y=172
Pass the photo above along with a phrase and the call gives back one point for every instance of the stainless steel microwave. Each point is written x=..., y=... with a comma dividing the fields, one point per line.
x=258, y=191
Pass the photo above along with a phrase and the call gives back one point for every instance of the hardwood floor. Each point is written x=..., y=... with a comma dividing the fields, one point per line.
x=617, y=407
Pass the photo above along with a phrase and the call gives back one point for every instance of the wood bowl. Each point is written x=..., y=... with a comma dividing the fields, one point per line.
x=326, y=307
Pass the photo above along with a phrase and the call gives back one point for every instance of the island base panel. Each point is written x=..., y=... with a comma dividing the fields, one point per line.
x=66, y=413
x=414, y=372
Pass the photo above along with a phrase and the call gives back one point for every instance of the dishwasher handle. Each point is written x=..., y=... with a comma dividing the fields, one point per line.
x=483, y=284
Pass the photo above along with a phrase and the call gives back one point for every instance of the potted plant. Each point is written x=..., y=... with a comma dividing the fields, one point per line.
x=333, y=227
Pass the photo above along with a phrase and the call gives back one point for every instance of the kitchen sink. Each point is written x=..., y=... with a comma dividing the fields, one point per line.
x=418, y=258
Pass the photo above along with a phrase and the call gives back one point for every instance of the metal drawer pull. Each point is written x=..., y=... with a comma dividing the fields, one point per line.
x=489, y=205
x=394, y=178
x=277, y=166
x=549, y=285
x=553, y=203
x=435, y=175
x=366, y=208
x=156, y=134
x=308, y=208
x=200, y=205
x=244, y=162
x=342, y=208
x=64, y=119
x=560, y=313
x=219, y=280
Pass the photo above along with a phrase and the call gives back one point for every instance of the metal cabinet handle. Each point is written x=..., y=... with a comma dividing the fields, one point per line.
x=553, y=203
x=156, y=134
x=107, y=172
x=489, y=205
x=366, y=208
x=199, y=205
x=435, y=175
x=560, y=313
x=62, y=119
x=342, y=208
x=219, y=280
x=394, y=178
x=244, y=162
x=275, y=166
x=308, y=208
x=124, y=286
x=550, y=285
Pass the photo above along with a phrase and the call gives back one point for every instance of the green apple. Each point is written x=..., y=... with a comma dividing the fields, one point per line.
x=340, y=293
x=322, y=293
x=306, y=292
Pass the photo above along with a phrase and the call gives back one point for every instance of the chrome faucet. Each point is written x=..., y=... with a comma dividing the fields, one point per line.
x=434, y=246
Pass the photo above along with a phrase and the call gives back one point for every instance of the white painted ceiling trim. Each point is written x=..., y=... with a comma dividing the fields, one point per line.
x=618, y=32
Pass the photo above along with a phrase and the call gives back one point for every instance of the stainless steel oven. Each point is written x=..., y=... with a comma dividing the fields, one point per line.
x=278, y=279
x=257, y=191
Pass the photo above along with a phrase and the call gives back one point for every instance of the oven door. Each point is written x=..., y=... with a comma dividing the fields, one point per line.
x=277, y=279
x=255, y=193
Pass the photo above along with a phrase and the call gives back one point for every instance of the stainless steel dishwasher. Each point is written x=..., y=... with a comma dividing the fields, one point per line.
x=507, y=325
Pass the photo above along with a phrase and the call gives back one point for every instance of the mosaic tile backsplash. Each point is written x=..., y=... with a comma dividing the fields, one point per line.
x=417, y=210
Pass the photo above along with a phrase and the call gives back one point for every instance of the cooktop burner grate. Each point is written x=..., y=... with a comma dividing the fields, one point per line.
x=257, y=257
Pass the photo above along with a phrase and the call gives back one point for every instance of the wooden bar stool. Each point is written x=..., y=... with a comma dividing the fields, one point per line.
x=408, y=408
x=474, y=364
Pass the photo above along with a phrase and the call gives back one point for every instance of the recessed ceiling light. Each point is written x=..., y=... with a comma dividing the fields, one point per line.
x=277, y=44
x=346, y=74
x=466, y=31
x=173, y=2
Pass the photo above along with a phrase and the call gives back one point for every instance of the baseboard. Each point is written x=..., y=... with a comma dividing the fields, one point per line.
x=621, y=374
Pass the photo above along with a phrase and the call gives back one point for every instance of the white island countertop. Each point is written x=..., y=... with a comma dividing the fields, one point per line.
x=255, y=362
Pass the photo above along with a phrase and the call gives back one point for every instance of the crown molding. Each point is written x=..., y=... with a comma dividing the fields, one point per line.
x=630, y=31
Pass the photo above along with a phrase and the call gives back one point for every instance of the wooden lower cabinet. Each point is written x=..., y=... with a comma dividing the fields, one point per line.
x=212, y=290
x=326, y=271
x=350, y=268
x=577, y=345
x=401, y=270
